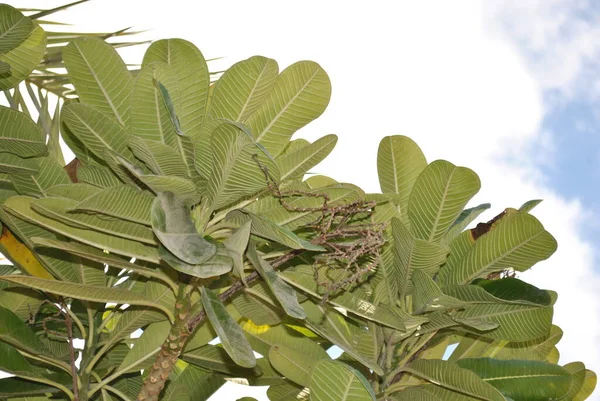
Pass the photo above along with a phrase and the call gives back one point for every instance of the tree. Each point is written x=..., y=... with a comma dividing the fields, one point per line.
x=188, y=218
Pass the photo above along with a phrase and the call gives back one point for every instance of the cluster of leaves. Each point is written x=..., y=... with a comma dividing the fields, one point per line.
x=188, y=218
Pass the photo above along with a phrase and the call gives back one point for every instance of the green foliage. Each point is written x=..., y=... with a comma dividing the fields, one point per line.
x=187, y=216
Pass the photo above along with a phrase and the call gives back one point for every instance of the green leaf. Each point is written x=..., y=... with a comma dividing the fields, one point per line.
x=465, y=218
x=121, y=202
x=23, y=302
x=14, y=28
x=264, y=228
x=513, y=289
x=19, y=135
x=23, y=59
x=439, y=195
x=296, y=364
x=13, y=387
x=287, y=392
x=215, y=358
x=77, y=192
x=229, y=332
x=100, y=77
x=518, y=241
x=453, y=377
x=243, y=88
x=141, y=356
x=20, y=206
x=589, y=384
x=98, y=176
x=428, y=297
x=15, y=332
x=256, y=303
x=262, y=338
x=194, y=381
x=331, y=325
x=99, y=256
x=192, y=79
x=95, y=129
x=411, y=254
x=335, y=381
x=133, y=319
x=12, y=164
x=295, y=164
x=285, y=294
x=518, y=320
x=87, y=292
x=50, y=174
x=218, y=264
x=529, y=205
x=235, y=172
x=399, y=163
x=173, y=225
x=160, y=158
x=58, y=209
x=302, y=277
x=236, y=245
x=300, y=95
x=521, y=380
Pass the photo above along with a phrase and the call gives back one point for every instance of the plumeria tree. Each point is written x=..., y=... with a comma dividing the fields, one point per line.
x=187, y=217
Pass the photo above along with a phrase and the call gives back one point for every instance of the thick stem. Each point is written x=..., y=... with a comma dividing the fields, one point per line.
x=171, y=349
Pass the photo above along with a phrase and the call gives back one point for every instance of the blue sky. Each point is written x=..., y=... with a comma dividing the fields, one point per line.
x=508, y=88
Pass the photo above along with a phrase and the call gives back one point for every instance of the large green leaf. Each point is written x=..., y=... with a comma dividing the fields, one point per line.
x=141, y=356
x=453, y=377
x=287, y=392
x=517, y=320
x=257, y=304
x=439, y=195
x=98, y=176
x=262, y=338
x=296, y=364
x=243, y=88
x=19, y=134
x=77, y=192
x=160, y=158
x=285, y=294
x=411, y=254
x=236, y=245
x=20, y=206
x=96, y=255
x=521, y=380
x=135, y=318
x=518, y=241
x=192, y=381
x=303, y=277
x=121, y=202
x=173, y=225
x=14, y=28
x=335, y=381
x=58, y=209
x=14, y=331
x=399, y=163
x=218, y=264
x=465, y=218
x=149, y=115
x=215, y=358
x=21, y=301
x=87, y=292
x=191, y=78
x=23, y=59
x=50, y=174
x=13, y=387
x=333, y=326
x=265, y=228
x=300, y=95
x=100, y=77
x=95, y=129
x=12, y=164
x=294, y=165
x=236, y=172
x=229, y=332
x=428, y=297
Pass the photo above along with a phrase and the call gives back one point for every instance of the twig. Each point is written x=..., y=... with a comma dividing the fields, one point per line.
x=69, y=324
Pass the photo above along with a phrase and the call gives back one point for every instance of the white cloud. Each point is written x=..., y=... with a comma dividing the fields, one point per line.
x=451, y=76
